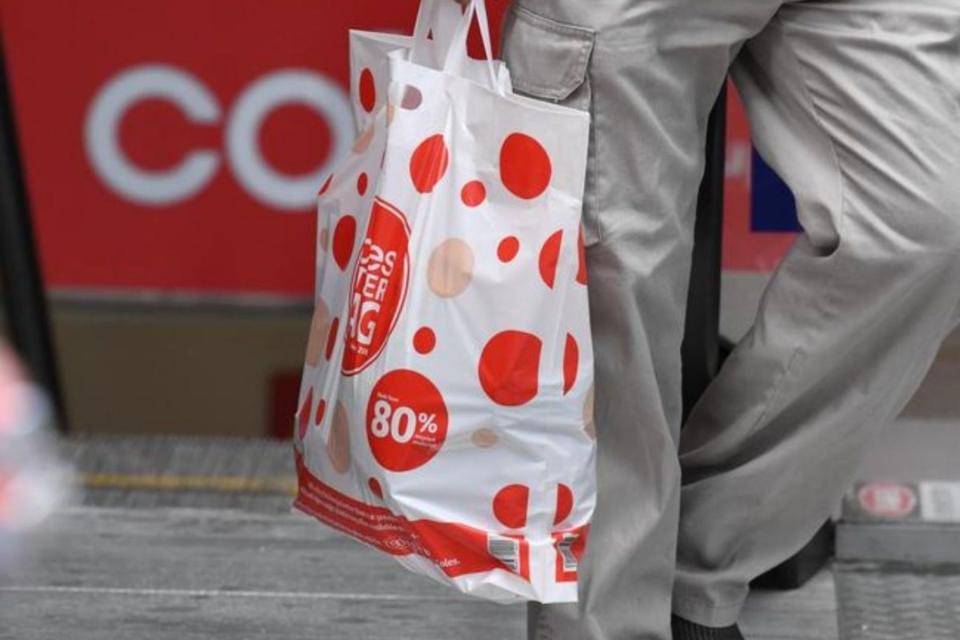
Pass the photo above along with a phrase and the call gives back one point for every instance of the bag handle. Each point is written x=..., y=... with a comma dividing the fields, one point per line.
x=439, y=17
x=456, y=58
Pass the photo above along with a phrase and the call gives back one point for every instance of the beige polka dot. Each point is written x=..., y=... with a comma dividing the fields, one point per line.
x=319, y=327
x=338, y=444
x=411, y=98
x=484, y=438
x=323, y=240
x=363, y=140
x=450, y=268
x=588, y=424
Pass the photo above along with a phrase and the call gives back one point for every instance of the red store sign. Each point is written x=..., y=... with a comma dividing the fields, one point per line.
x=178, y=145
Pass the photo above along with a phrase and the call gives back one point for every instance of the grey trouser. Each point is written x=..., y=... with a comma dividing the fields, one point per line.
x=856, y=104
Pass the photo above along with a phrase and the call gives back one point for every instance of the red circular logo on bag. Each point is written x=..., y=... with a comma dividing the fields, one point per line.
x=406, y=420
x=379, y=286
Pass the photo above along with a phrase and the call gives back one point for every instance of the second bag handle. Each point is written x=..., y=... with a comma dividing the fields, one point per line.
x=457, y=56
x=450, y=26
x=439, y=19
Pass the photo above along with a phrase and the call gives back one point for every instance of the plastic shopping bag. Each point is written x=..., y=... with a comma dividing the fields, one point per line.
x=445, y=412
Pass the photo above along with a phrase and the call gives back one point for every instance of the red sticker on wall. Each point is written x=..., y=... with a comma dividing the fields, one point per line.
x=887, y=500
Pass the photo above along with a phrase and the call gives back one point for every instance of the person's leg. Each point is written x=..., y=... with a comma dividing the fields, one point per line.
x=653, y=69
x=856, y=103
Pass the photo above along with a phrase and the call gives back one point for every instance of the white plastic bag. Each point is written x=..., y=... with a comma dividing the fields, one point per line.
x=446, y=406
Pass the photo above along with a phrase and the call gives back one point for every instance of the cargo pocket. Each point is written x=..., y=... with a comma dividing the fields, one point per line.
x=549, y=60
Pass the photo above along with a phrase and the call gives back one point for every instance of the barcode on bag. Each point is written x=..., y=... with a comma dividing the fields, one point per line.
x=506, y=550
x=565, y=549
x=940, y=501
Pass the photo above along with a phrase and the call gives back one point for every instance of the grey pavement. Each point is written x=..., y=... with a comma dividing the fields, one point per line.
x=180, y=573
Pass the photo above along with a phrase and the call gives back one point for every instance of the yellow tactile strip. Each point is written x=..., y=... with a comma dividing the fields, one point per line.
x=221, y=484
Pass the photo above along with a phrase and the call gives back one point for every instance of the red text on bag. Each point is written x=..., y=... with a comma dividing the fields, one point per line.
x=379, y=286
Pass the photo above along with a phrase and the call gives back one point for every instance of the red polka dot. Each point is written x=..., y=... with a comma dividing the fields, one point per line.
x=473, y=193
x=407, y=420
x=571, y=361
x=549, y=257
x=375, y=487
x=332, y=337
x=509, y=368
x=321, y=410
x=424, y=340
x=326, y=185
x=362, y=184
x=564, y=503
x=344, y=236
x=508, y=249
x=304, y=414
x=510, y=506
x=581, y=259
x=524, y=166
x=368, y=90
x=428, y=163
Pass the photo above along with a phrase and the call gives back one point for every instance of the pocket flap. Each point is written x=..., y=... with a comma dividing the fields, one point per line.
x=547, y=59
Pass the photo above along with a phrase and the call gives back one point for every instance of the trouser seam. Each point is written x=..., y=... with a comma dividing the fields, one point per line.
x=593, y=158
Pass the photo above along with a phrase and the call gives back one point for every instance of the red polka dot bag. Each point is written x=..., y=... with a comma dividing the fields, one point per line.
x=445, y=414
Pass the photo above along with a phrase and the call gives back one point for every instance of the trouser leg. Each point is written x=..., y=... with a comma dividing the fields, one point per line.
x=653, y=75
x=855, y=104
